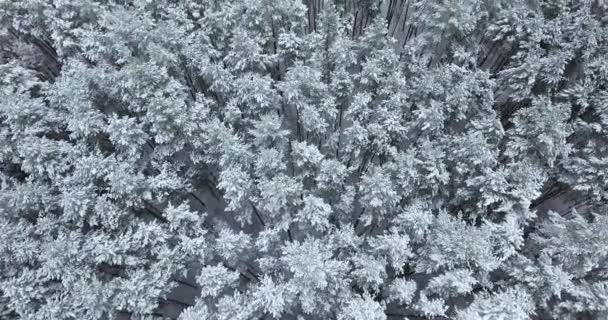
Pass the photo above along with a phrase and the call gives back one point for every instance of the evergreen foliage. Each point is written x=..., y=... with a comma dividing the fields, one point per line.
x=316, y=159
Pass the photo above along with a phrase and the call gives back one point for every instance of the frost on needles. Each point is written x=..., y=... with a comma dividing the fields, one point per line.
x=303, y=159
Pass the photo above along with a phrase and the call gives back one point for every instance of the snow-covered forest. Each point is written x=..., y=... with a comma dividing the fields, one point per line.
x=303, y=159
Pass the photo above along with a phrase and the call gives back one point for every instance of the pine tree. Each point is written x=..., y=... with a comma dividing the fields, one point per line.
x=257, y=159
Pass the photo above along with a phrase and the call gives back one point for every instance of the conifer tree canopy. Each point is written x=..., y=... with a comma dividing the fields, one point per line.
x=303, y=159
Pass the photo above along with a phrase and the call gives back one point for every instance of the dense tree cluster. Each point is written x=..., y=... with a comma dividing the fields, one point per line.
x=303, y=160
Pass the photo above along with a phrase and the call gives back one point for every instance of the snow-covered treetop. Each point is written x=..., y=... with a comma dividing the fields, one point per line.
x=289, y=159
